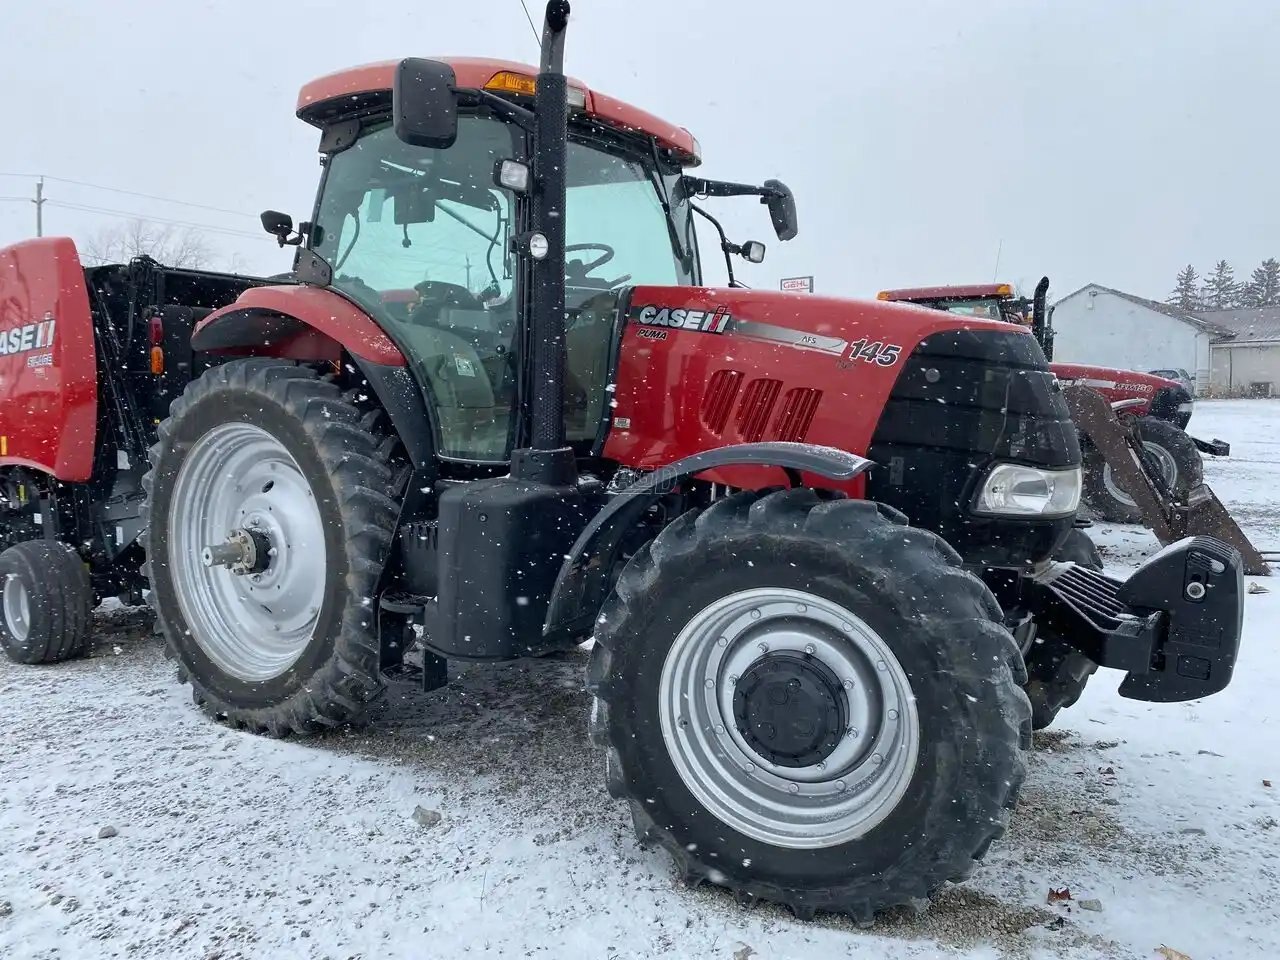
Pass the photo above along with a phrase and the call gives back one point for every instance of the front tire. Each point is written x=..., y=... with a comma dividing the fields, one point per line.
x=263, y=457
x=1170, y=458
x=808, y=702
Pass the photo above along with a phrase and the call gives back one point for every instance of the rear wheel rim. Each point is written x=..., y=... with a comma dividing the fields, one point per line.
x=253, y=627
x=1160, y=457
x=17, y=608
x=823, y=804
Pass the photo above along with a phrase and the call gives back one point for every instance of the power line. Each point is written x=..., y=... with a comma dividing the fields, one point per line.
x=133, y=193
x=109, y=211
x=536, y=38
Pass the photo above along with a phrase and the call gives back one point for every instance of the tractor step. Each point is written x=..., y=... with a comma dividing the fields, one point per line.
x=1173, y=645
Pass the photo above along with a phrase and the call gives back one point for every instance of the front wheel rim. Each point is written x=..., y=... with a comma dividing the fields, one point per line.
x=1166, y=466
x=860, y=778
x=17, y=608
x=252, y=626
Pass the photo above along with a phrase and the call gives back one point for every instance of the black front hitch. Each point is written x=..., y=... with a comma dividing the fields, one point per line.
x=1174, y=626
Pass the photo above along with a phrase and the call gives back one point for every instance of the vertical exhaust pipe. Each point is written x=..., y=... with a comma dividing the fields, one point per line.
x=1040, y=328
x=545, y=461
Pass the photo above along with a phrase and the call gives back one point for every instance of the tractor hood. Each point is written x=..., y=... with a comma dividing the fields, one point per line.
x=813, y=324
x=936, y=400
x=1160, y=397
x=765, y=365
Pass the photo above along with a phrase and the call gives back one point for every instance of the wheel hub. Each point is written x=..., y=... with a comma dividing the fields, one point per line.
x=244, y=551
x=791, y=709
x=788, y=717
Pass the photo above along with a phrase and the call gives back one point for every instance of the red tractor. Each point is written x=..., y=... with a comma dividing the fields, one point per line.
x=495, y=413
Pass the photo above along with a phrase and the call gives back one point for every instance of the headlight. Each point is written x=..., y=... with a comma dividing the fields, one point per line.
x=1012, y=489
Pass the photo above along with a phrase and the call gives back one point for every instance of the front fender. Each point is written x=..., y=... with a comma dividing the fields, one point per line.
x=267, y=320
x=312, y=324
x=583, y=580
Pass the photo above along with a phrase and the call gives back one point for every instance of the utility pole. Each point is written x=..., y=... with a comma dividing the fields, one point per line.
x=39, y=202
x=468, y=271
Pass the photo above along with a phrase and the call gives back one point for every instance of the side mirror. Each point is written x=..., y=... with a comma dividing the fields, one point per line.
x=752, y=251
x=782, y=209
x=424, y=103
x=278, y=224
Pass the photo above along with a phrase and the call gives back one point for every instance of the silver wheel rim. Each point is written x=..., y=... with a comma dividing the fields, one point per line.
x=252, y=626
x=821, y=805
x=17, y=608
x=1164, y=462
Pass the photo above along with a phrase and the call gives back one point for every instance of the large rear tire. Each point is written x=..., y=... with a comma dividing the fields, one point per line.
x=270, y=514
x=1056, y=671
x=808, y=702
x=47, y=602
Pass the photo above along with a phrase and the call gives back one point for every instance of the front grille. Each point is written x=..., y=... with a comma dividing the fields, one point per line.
x=798, y=408
x=757, y=403
x=964, y=400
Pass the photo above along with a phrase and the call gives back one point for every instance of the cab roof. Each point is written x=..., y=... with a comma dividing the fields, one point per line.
x=970, y=291
x=357, y=88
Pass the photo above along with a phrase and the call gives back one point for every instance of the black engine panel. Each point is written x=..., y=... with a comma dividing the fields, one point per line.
x=966, y=399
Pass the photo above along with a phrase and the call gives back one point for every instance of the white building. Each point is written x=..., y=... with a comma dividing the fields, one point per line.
x=1247, y=362
x=1099, y=325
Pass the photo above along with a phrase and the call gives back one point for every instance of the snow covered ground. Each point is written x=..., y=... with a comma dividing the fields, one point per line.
x=131, y=826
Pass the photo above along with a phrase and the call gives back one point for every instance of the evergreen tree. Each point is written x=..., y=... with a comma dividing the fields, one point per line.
x=1186, y=291
x=1263, y=288
x=1220, y=291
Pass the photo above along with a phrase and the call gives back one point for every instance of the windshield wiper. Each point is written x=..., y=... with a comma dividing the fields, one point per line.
x=664, y=197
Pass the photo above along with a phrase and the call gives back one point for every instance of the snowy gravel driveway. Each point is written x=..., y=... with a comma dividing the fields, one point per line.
x=131, y=826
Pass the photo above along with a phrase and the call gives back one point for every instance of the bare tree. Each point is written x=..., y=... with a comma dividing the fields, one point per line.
x=172, y=245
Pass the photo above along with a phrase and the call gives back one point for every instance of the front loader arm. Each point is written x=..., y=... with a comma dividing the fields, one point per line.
x=1169, y=520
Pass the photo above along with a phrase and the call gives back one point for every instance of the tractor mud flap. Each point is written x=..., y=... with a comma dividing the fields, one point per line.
x=1174, y=626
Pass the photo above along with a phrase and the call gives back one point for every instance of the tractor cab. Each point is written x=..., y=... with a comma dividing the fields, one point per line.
x=430, y=239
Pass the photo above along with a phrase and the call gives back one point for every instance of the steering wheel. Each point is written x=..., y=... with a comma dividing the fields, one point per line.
x=575, y=271
x=599, y=261
x=437, y=296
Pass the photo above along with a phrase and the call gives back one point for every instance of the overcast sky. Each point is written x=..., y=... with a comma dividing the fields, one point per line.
x=1106, y=141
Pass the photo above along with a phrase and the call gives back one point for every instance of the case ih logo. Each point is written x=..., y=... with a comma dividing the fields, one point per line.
x=707, y=321
x=31, y=336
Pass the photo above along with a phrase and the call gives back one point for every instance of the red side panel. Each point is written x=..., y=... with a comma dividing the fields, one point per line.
x=48, y=367
x=703, y=368
x=274, y=321
x=1114, y=384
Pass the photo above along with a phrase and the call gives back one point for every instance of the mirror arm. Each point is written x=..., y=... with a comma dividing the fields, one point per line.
x=505, y=109
x=697, y=186
x=725, y=245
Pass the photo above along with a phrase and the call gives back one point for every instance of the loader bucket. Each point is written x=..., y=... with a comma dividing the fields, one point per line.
x=1202, y=515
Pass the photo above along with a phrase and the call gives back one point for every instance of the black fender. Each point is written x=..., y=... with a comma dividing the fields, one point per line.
x=397, y=391
x=583, y=581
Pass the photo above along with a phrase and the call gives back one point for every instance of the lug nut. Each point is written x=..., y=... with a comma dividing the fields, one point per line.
x=755, y=614
x=709, y=683
x=1195, y=590
x=893, y=714
x=794, y=787
x=810, y=649
x=848, y=684
x=763, y=648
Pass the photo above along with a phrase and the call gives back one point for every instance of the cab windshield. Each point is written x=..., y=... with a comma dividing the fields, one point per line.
x=421, y=238
x=984, y=308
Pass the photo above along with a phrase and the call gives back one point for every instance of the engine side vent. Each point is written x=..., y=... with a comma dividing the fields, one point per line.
x=757, y=403
x=798, y=408
x=717, y=402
